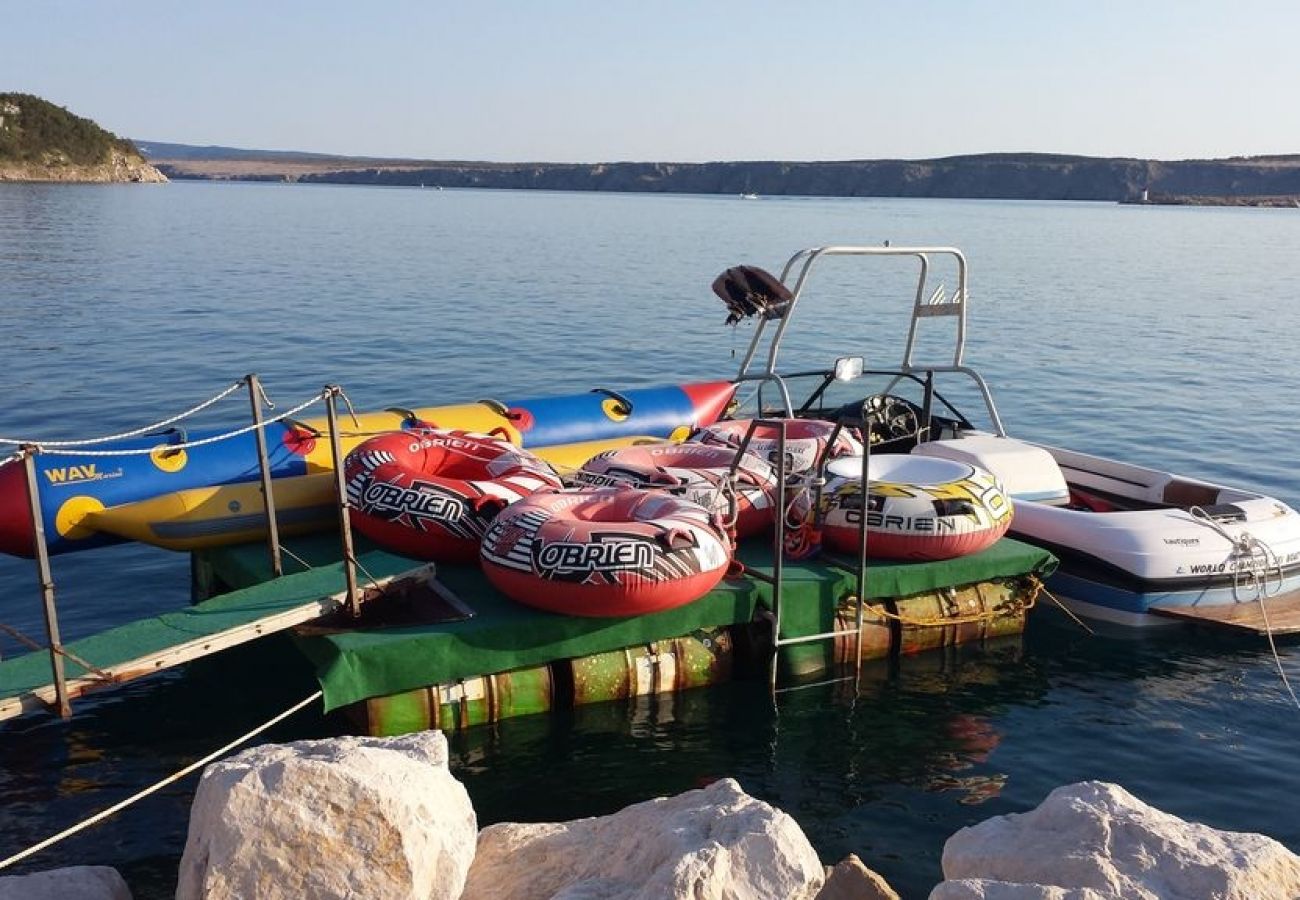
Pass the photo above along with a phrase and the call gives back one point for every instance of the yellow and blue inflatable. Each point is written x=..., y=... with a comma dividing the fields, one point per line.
x=211, y=494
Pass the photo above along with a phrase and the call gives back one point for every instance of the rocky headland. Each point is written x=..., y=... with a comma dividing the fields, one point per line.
x=43, y=142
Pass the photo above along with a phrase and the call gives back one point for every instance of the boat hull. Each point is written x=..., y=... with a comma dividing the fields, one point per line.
x=1133, y=540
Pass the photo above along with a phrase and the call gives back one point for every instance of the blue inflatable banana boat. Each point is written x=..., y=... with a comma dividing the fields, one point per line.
x=186, y=498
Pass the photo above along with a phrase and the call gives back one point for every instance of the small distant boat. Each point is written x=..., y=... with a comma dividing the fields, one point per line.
x=749, y=196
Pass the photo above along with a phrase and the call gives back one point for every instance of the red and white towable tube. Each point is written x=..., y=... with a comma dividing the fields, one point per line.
x=430, y=493
x=699, y=472
x=805, y=441
x=605, y=552
x=918, y=508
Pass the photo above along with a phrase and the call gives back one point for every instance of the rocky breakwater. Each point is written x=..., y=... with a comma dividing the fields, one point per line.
x=1096, y=841
x=43, y=142
x=383, y=818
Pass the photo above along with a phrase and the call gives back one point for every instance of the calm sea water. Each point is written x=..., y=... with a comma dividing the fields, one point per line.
x=1159, y=335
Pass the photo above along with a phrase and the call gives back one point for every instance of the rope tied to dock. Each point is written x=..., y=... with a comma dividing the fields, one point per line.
x=1256, y=559
x=153, y=788
x=1013, y=607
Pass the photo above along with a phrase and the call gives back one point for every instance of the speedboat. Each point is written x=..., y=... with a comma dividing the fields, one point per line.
x=1137, y=546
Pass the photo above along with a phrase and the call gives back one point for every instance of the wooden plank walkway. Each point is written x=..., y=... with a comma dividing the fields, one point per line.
x=140, y=648
x=1283, y=615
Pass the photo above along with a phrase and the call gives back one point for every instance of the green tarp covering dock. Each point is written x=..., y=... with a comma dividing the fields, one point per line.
x=504, y=635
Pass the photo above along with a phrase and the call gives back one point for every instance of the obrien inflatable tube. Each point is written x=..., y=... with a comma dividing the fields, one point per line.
x=918, y=507
x=805, y=441
x=699, y=472
x=207, y=495
x=429, y=493
x=605, y=552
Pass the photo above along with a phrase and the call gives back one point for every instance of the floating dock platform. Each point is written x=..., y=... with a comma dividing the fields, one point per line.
x=1250, y=617
x=438, y=646
x=485, y=657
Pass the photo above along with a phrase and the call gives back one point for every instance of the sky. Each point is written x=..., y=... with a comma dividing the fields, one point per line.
x=560, y=81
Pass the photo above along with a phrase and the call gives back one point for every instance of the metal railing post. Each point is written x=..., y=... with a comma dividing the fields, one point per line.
x=778, y=560
x=331, y=394
x=264, y=463
x=862, y=541
x=46, y=579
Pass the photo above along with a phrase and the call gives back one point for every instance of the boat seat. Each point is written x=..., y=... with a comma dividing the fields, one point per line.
x=1189, y=493
x=1027, y=472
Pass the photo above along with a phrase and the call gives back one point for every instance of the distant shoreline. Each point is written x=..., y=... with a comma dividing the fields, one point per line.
x=1284, y=201
x=1239, y=181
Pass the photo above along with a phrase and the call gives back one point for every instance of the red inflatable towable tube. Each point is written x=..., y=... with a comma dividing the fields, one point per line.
x=805, y=441
x=605, y=552
x=700, y=473
x=430, y=493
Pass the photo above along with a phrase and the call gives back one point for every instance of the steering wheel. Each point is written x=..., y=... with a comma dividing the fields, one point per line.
x=890, y=418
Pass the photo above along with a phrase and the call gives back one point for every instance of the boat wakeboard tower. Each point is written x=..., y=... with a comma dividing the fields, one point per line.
x=752, y=294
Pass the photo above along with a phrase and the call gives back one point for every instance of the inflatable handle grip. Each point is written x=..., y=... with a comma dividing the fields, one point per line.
x=667, y=478
x=409, y=418
x=176, y=435
x=489, y=504
x=625, y=405
x=499, y=408
x=676, y=539
x=299, y=425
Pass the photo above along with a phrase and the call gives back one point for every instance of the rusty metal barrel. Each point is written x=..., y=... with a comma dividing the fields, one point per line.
x=472, y=701
x=954, y=616
x=694, y=660
x=907, y=625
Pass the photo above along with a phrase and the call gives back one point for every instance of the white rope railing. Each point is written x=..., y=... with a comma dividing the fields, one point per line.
x=137, y=432
x=183, y=445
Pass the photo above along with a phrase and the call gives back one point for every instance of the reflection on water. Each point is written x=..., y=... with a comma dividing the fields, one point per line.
x=1113, y=330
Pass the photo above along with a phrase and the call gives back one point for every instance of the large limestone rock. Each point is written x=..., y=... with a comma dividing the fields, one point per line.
x=852, y=880
x=982, y=889
x=718, y=843
x=1096, y=841
x=346, y=817
x=72, y=883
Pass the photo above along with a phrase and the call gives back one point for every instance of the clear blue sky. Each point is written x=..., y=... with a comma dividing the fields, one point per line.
x=600, y=81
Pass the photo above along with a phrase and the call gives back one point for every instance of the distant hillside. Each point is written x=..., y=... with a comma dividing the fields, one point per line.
x=43, y=142
x=1013, y=176
x=164, y=150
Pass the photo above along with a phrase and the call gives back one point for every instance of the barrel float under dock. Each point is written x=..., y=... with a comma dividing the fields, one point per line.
x=694, y=660
x=668, y=666
x=462, y=704
x=905, y=626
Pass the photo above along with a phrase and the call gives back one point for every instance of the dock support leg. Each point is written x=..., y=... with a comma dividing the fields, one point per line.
x=264, y=463
x=46, y=578
x=341, y=492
